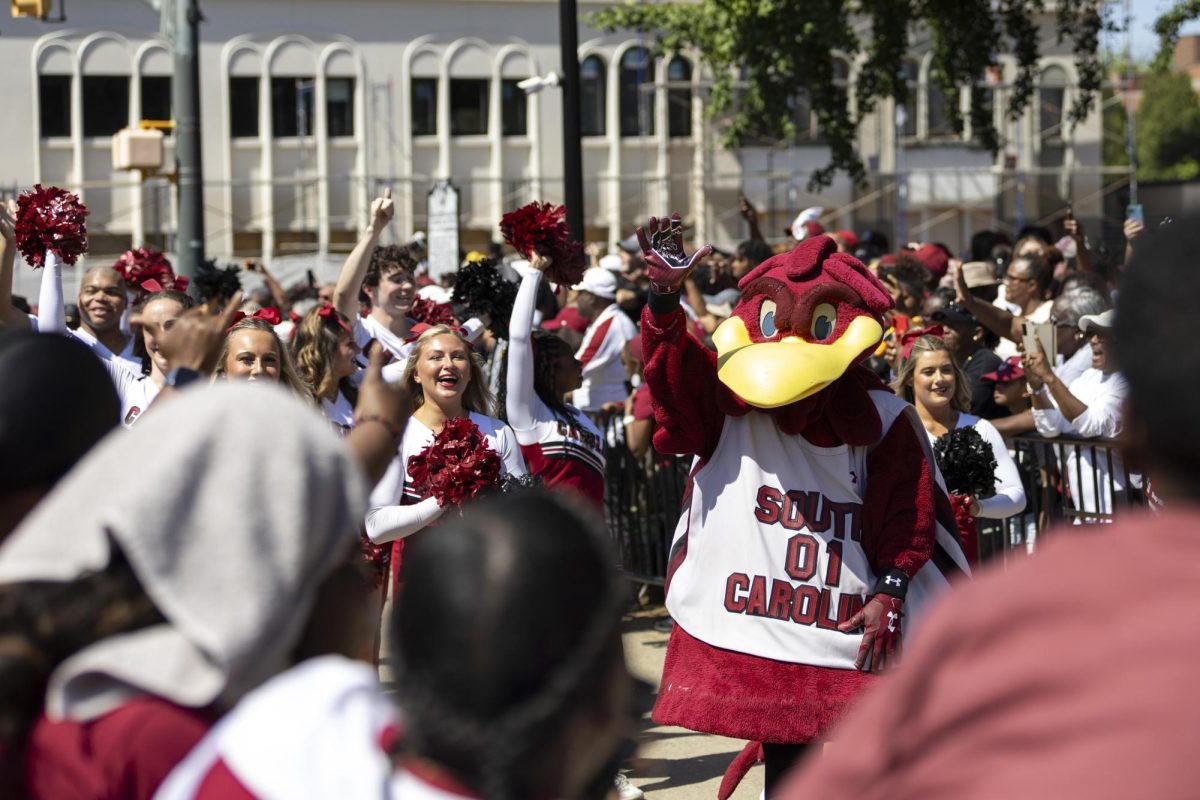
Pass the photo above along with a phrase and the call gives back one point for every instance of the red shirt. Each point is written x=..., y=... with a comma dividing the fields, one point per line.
x=123, y=755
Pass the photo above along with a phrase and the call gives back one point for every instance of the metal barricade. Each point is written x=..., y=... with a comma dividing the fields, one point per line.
x=1067, y=481
x=642, y=504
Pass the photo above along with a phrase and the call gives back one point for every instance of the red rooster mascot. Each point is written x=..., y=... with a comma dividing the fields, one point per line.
x=814, y=517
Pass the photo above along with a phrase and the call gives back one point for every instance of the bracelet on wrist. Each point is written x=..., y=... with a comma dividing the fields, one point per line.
x=395, y=430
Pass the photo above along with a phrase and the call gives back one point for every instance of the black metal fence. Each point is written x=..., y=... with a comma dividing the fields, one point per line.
x=1067, y=481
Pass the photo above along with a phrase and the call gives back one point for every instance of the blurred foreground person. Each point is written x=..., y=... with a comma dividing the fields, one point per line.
x=1071, y=674
x=56, y=402
x=511, y=679
x=174, y=570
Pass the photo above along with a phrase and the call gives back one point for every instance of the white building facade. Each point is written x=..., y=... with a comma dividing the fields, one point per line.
x=310, y=108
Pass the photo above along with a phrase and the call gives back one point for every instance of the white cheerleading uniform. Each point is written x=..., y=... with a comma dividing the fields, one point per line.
x=51, y=319
x=340, y=413
x=778, y=563
x=136, y=391
x=397, y=509
x=562, y=452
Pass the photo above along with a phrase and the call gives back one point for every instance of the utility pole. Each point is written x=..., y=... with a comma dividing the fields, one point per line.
x=572, y=141
x=189, y=239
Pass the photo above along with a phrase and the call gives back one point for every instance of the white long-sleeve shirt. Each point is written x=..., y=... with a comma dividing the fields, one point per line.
x=1009, y=499
x=397, y=509
x=51, y=319
x=1103, y=394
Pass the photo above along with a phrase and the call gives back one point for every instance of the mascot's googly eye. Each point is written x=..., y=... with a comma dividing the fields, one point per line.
x=824, y=320
x=766, y=318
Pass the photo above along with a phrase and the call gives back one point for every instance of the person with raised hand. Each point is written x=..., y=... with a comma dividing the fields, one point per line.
x=560, y=444
x=385, y=276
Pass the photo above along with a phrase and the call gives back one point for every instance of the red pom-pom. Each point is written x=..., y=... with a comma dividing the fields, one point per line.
x=968, y=532
x=377, y=556
x=457, y=465
x=431, y=313
x=50, y=219
x=143, y=264
x=542, y=228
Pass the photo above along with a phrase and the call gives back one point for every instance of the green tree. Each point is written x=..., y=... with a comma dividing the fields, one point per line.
x=1167, y=27
x=1168, y=128
x=760, y=52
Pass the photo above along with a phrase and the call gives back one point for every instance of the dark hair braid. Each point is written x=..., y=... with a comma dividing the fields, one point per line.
x=43, y=623
x=547, y=349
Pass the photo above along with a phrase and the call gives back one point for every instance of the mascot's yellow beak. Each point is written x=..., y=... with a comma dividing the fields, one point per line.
x=774, y=374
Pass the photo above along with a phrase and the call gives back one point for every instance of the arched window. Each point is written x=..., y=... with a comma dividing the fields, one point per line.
x=679, y=98
x=593, y=96
x=636, y=84
x=909, y=71
x=937, y=108
x=1052, y=90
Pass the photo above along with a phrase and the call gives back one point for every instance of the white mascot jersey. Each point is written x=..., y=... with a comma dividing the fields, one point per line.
x=772, y=568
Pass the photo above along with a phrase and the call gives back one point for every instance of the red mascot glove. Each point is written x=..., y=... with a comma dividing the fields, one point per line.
x=666, y=264
x=880, y=620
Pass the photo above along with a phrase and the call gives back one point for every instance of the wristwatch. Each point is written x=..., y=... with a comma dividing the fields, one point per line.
x=181, y=377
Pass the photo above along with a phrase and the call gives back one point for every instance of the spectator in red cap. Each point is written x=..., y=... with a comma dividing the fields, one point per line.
x=936, y=259
x=847, y=241
x=1008, y=380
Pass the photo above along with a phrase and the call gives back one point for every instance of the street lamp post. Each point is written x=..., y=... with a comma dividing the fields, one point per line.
x=572, y=142
x=189, y=242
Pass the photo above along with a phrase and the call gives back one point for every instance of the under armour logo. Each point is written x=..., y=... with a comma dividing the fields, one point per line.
x=854, y=477
x=892, y=581
x=893, y=618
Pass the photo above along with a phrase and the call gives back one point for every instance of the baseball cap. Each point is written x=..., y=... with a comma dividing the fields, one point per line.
x=598, y=281
x=979, y=273
x=1010, y=370
x=934, y=258
x=611, y=262
x=954, y=314
x=1103, y=321
x=805, y=224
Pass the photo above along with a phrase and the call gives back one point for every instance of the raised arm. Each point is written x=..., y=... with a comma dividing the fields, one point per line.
x=681, y=373
x=10, y=317
x=51, y=315
x=521, y=398
x=345, y=294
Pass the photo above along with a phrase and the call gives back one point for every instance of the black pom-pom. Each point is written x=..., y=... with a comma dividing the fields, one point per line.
x=213, y=282
x=484, y=292
x=967, y=462
x=519, y=483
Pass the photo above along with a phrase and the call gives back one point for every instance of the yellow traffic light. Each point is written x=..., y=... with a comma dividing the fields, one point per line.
x=31, y=8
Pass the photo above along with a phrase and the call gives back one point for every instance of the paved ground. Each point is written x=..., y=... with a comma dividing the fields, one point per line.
x=674, y=763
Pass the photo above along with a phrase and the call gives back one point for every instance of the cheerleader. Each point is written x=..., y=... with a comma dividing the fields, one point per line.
x=137, y=391
x=324, y=351
x=446, y=382
x=931, y=380
x=560, y=445
x=253, y=351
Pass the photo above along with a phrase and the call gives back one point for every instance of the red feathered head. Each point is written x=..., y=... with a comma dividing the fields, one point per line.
x=805, y=317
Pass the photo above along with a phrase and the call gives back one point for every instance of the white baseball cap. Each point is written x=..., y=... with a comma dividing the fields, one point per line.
x=598, y=281
x=611, y=262
x=1104, y=320
x=800, y=228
